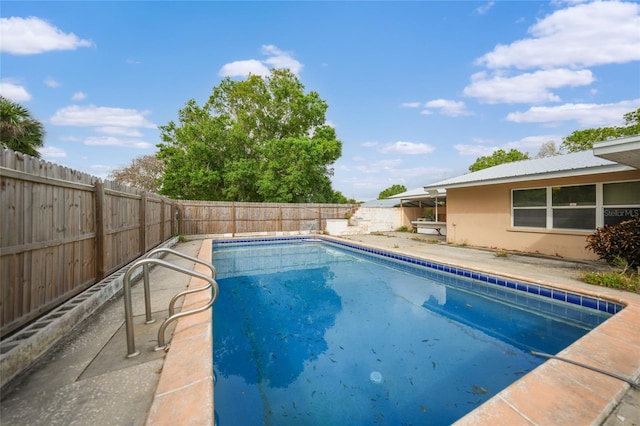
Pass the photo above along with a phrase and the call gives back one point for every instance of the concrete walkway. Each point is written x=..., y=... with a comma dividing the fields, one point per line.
x=85, y=378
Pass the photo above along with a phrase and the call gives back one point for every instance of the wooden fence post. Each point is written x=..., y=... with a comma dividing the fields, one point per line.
x=98, y=194
x=143, y=223
x=162, y=222
x=279, y=218
x=233, y=219
x=175, y=217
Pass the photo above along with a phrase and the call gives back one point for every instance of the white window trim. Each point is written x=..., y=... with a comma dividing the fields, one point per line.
x=598, y=206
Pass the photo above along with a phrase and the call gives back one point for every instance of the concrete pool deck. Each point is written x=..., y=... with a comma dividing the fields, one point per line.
x=86, y=380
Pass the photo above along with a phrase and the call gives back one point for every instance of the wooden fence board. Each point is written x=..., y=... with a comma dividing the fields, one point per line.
x=63, y=230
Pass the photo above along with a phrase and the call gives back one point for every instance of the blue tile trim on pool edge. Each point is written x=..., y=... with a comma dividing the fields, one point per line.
x=560, y=295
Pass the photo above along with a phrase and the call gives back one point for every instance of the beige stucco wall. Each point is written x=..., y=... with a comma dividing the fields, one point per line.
x=480, y=216
x=386, y=219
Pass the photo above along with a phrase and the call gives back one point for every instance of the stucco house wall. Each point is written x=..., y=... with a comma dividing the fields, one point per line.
x=383, y=219
x=481, y=216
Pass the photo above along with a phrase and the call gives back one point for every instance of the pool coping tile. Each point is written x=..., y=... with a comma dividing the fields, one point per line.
x=185, y=390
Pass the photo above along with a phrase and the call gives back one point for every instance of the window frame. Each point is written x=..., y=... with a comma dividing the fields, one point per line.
x=598, y=207
x=618, y=206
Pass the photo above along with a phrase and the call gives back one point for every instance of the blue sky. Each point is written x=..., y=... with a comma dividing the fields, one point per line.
x=416, y=90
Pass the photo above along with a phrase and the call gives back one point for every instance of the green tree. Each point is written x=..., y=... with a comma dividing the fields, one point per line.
x=498, y=157
x=19, y=131
x=582, y=140
x=143, y=172
x=261, y=139
x=392, y=190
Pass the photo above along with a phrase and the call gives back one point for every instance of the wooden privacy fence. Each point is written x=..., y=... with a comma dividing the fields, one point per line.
x=63, y=230
x=212, y=217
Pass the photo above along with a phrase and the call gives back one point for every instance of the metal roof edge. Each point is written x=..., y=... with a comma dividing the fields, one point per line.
x=610, y=168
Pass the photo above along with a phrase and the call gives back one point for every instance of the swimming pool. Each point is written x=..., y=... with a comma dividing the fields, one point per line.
x=341, y=335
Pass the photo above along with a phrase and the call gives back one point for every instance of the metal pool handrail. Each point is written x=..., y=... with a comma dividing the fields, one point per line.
x=128, y=311
x=147, y=293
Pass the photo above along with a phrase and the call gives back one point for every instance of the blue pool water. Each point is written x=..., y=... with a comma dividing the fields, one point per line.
x=314, y=333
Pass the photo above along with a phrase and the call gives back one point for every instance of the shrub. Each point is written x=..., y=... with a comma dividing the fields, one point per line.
x=622, y=281
x=620, y=241
x=403, y=228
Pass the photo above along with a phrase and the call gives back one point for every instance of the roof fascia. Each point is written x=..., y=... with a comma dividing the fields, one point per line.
x=538, y=176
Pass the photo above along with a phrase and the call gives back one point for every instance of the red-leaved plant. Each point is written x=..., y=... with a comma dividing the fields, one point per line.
x=621, y=241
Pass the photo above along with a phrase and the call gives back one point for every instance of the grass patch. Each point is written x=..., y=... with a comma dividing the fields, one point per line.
x=621, y=280
x=379, y=234
x=425, y=240
x=402, y=229
x=396, y=246
x=501, y=253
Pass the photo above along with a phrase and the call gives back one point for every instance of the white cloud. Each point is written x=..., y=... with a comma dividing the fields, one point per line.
x=411, y=105
x=50, y=82
x=27, y=36
x=584, y=35
x=243, y=68
x=376, y=167
x=446, y=107
x=78, y=96
x=113, y=141
x=530, y=144
x=91, y=115
x=52, y=152
x=281, y=59
x=475, y=150
x=101, y=171
x=277, y=59
x=485, y=8
x=406, y=148
x=120, y=131
x=525, y=88
x=101, y=167
x=483, y=141
x=69, y=139
x=587, y=115
x=14, y=92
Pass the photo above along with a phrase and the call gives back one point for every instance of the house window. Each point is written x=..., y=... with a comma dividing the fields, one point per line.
x=574, y=207
x=582, y=207
x=621, y=201
x=529, y=208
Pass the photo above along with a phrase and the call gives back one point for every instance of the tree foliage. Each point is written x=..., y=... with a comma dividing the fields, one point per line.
x=498, y=157
x=392, y=190
x=582, y=140
x=19, y=131
x=143, y=172
x=261, y=139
